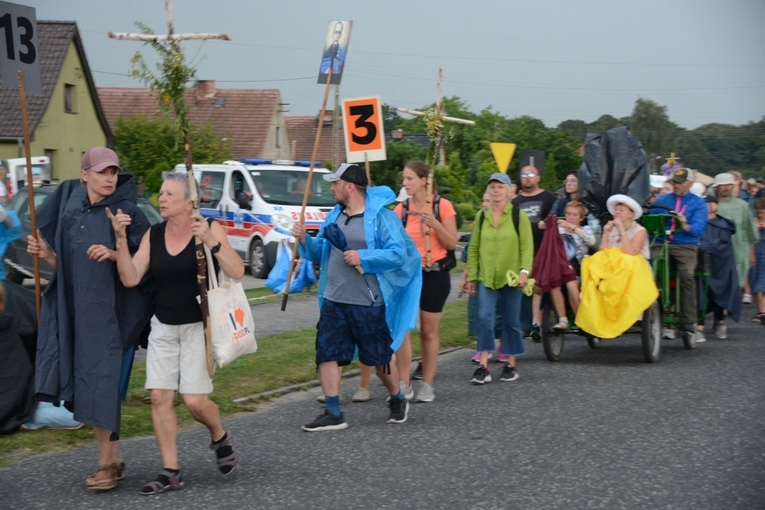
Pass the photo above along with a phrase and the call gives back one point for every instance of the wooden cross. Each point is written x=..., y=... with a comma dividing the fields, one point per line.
x=171, y=54
x=672, y=159
x=434, y=122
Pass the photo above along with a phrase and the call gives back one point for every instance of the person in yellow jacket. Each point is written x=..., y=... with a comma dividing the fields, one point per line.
x=617, y=283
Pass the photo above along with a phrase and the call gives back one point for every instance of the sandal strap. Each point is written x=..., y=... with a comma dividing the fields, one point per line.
x=229, y=441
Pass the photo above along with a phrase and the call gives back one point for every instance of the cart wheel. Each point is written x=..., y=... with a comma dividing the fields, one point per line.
x=650, y=333
x=689, y=340
x=552, y=341
x=593, y=341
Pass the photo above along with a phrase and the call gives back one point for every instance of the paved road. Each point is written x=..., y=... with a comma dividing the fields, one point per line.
x=600, y=429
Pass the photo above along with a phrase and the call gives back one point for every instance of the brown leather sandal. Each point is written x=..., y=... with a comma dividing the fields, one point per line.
x=110, y=473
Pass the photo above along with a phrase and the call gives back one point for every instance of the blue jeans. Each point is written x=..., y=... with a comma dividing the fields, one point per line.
x=508, y=301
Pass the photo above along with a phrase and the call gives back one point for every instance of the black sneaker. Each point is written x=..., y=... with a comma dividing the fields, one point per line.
x=508, y=374
x=326, y=422
x=399, y=410
x=417, y=374
x=536, y=333
x=481, y=375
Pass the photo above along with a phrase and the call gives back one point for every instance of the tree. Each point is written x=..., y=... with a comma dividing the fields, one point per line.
x=651, y=125
x=147, y=147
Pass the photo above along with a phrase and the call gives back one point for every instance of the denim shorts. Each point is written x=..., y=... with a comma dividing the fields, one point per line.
x=343, y=328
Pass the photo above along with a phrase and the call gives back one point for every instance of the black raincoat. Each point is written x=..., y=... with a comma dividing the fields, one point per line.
x=716, y=256
x=88, y=318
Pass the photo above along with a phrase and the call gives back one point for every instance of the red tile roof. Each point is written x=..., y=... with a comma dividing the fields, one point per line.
x=243, y=116
x=302, y=130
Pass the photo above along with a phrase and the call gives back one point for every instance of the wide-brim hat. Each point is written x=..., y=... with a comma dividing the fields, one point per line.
x=628, y=201
x=723, y=179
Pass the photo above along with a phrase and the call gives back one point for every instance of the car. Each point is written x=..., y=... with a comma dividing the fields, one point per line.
x=18, y=263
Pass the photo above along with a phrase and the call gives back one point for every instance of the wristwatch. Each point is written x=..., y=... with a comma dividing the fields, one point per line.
x=215, y=249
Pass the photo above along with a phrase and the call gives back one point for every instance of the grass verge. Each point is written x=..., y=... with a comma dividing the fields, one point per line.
x=249, y=375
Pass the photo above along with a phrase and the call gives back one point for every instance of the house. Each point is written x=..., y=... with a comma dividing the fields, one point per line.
x=252, y=119
x=302, y=134
x=66, y=118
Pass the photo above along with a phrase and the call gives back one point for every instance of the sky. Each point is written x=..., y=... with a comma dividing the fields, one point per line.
x=554, y=60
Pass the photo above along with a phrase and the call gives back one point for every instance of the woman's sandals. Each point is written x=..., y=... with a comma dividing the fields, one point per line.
x=225, y=457
x=106, y=477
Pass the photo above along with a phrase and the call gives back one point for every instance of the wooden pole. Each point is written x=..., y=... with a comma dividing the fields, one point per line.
x=31, y=192
x=307, y=191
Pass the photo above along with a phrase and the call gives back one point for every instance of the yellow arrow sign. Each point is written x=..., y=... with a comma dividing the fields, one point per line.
x=503, y=153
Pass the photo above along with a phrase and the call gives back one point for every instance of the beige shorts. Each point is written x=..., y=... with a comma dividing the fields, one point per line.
x=176, y=359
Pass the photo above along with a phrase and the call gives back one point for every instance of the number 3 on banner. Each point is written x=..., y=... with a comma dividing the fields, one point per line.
x=363, y=127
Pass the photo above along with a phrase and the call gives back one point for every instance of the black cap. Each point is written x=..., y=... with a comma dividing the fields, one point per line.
x=348, y=172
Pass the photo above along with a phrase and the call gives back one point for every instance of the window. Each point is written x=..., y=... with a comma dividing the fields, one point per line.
x=51, y=153
x=69, y=98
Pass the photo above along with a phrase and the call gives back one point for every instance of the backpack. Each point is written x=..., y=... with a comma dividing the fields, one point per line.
x=450, y=261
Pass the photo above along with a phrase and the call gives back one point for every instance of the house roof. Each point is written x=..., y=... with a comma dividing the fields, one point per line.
x=54, y=38
x=243, y=116
x=302, y=131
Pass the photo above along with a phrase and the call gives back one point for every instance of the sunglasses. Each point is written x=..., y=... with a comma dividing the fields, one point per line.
x=529, y=174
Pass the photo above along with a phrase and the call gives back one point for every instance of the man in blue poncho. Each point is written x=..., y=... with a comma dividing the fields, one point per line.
x=368, y=295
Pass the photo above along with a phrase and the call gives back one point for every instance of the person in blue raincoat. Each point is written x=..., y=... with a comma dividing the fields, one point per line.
x=368, y=295
x=89, y=321
x=10, y=229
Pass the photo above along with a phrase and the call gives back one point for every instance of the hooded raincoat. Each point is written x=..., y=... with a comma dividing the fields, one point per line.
x=390, y=255
x=723, y=283
x=88, y=318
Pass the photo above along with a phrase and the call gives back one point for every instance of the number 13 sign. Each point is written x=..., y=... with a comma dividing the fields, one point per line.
x=18, y=46
x=363, y=127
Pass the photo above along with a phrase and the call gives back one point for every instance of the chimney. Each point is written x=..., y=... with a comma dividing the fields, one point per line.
x=397, y=134
x=205, y=89
x=327, y=117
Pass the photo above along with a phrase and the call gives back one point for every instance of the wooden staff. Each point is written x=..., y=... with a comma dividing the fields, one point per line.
x=201, y=259
x=429, y=207
x=307, y=191
x=31, y=192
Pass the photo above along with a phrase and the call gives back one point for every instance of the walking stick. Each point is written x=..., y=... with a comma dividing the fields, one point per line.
x=307, y=191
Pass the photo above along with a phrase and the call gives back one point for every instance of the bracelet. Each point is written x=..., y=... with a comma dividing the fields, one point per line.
x=215, y=249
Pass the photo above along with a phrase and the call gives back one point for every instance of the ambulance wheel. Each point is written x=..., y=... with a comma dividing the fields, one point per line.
x=258, y=264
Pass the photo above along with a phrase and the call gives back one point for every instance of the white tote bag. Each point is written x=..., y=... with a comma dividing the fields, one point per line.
x=231, y=326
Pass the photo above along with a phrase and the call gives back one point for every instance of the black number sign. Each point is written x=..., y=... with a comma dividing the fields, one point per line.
x=18, y=27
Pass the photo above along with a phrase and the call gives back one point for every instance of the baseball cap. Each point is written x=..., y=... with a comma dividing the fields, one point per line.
x=402, y=195
x=499, y=177
x=348, y=172
x=681, y=175
x=723, y=179
x=99, y=158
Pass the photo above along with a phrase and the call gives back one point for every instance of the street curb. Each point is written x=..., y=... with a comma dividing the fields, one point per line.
x=266, y=395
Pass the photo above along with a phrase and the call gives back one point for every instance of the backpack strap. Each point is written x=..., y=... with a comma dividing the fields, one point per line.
x=405, y=212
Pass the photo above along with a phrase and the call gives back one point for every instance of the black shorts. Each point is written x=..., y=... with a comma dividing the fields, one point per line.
x=435, y=290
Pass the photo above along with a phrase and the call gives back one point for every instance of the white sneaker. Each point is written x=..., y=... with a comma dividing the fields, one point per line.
x=669, y=333
x=361, y=395
x=721, y=331
x=562, y=324
x=700, y=338
x=746, y=299
x=425, y=394
x=406, y=391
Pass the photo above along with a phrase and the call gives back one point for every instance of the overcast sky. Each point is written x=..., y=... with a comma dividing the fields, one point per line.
x=551, y=59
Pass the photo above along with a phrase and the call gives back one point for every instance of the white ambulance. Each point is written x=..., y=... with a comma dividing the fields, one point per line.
x=257, y=201
x=17, y=172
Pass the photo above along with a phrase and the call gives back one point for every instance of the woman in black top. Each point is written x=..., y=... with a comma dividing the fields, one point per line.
x=176, y=359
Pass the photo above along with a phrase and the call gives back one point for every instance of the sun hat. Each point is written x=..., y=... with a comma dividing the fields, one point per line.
x=723, y=179
x=628, y=201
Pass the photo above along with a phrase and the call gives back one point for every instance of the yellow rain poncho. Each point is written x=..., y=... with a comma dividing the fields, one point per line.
x=616, y=289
